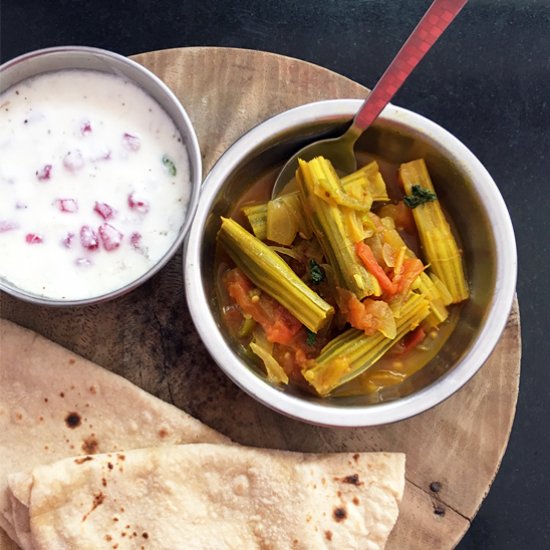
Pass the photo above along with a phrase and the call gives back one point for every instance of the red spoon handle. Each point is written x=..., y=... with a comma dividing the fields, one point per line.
x=429, y=29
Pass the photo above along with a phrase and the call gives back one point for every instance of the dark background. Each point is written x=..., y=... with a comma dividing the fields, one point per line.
x=487, y=81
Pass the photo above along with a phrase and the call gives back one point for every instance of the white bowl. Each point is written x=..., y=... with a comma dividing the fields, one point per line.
x=474, y=203
x=80, y=57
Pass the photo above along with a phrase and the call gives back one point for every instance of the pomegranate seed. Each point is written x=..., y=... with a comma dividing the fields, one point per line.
x=83, y=262
x=33, y=238
x=67, y=205
x=68, y=240
x=139, y=204
x=131, y=142
x=44, y=173
x=7, y=226
x=135, y=239
x=104, y=210
x=85, y=127
x=110, y=236
x=73, y=160
x=88, y=238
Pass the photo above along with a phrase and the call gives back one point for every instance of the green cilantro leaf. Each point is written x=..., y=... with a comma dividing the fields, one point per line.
x=311, y=337
x=316, y=272
x=420, y=195
x=169, y=164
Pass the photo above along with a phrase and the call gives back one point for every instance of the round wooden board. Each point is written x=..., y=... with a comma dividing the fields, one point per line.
x=148, y=337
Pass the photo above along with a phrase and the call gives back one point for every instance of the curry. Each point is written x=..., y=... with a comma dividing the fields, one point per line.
x=341, y=285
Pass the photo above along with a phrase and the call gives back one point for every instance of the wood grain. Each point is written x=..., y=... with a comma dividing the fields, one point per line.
x=148, y=337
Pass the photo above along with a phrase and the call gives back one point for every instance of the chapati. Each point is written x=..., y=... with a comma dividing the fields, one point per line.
x=55, y=404
x=215, y=497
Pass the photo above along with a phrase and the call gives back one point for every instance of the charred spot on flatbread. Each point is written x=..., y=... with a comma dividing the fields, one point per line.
x=73, y=420
x=328, y=535
x=90, y=445
x=83, y=459
x=352, y=479
x=339, y=513
x=98, y=500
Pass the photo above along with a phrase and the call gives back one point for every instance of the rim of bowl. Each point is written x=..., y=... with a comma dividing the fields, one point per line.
x=379, y=413
x=195, y=169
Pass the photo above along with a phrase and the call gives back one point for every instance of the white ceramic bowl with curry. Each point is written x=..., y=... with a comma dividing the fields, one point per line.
x=470, y=199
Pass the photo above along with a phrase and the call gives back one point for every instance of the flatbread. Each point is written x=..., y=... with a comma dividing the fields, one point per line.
x=215, y=497
x=6, y=543
x=17, y=515
x=55, y=404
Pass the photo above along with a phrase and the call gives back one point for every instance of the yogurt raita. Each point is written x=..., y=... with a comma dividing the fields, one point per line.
x=94, y=184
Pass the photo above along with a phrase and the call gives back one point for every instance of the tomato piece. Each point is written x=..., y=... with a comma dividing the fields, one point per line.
x=283, y=328
x=365, y=254
x=413, y=339
x=359, y=316
x=411, y=269
x=279, y=324
x=368, y=315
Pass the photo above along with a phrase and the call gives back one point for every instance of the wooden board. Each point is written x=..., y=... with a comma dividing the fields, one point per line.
x=148, y=337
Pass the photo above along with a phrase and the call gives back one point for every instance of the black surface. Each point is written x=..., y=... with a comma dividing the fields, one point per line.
x=487, y=81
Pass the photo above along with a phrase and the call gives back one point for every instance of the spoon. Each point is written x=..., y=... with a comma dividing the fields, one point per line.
x=340, y=150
